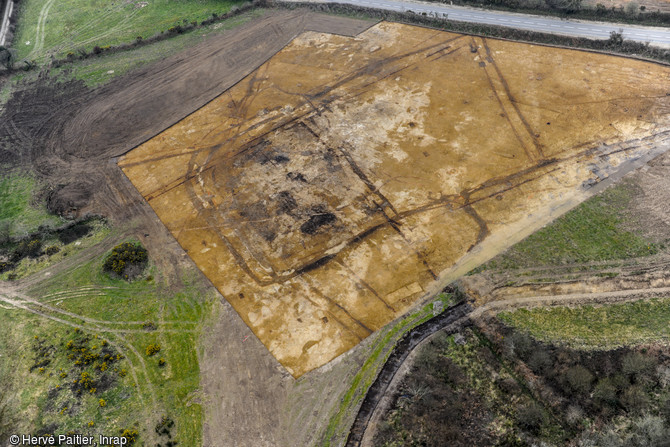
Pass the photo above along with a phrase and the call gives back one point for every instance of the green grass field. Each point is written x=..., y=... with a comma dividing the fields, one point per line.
x=131, y=316
x=605, y=327
x=101, y=69
x=96, y=71
x=592, y=231
x=44, y=399
x=58, y=27
x=17, y=212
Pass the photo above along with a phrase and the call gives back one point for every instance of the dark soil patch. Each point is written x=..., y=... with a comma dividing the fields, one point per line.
x=76, y=231
x=66, y=200
x=316, y=221
x=285, y=202
x=296, y=176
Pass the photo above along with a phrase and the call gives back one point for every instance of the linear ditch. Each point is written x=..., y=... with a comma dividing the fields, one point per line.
x=400, y=352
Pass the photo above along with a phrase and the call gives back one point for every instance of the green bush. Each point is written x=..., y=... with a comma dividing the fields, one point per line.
x=153, y=349
x=605, y=392
x=531, y=417
x=52, y=250
x=578, y=379
x=126, y=260
x=29, y=247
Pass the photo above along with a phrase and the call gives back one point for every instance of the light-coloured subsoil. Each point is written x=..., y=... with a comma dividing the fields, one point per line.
x=345, y=180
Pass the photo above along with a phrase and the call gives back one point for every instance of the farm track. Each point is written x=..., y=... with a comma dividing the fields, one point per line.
x=41, y=24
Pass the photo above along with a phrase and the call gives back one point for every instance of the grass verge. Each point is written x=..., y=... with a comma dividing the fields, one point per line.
x=593, y=231
x=19, y=215
x=608, y=326
x=57, y=250
x=98, y=70
x=380, y=350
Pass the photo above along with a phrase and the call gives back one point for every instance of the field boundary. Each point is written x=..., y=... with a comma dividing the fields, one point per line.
x=453, y=319
x=628, y=49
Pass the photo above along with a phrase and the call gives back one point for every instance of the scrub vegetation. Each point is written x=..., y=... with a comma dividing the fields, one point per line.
x=495, y=385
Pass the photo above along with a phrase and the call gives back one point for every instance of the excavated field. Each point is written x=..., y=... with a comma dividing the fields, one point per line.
x=346, y=178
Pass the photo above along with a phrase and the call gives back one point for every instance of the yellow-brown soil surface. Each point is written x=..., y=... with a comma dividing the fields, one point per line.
x=332, y=188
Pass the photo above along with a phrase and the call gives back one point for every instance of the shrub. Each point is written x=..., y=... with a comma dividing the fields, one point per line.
x=177, y=29
x=130, y=435
x=52, y=250
x=540, y=361
x=531, y=417
x=164, y=425
x=578, y=379
x=27, y=248
x=635, y=399
x=605, y=392
x=520, y=344
x=126, y=260
x=636, y=365
x=665, y=409
x=72, y=233
x=153, y=349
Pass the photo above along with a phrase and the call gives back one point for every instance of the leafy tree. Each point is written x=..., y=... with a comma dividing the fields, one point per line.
x=605, y=392
x=540, y=361
x=632, y=9
x=531, y=417
x=634, y=398
x=637, y=366
x=616, y=39
x=578, y=379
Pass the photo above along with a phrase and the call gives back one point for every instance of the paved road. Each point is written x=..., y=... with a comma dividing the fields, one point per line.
x=4, y=19
x=578, y=28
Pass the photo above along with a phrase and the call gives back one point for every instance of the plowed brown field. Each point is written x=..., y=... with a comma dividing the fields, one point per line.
x=331, y=189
